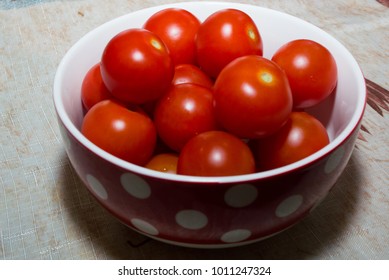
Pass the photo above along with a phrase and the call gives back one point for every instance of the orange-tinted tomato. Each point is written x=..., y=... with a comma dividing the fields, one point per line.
x=164, y=163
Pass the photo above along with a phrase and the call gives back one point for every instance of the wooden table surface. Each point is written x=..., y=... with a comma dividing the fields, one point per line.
x=46, y=212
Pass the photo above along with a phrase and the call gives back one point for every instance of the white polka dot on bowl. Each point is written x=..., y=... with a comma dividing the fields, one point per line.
x=334, y=160
x=144, y=226
x=289, y=205
x=240, y=195
x=135, y=185
x=97, y=187
x=191, y=219
x=236, y=235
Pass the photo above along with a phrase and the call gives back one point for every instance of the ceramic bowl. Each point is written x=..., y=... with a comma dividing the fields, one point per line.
x=212, y=212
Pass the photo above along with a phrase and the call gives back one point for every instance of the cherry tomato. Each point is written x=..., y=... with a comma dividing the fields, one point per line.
x=185, y=111
x=301, y=136
x=191, y=74
x=164, y=163
x=311, y=70
x=225, y=35
x=93, y=90
x=136, y=66
x=177, y=28
x=126, y=134
x=215, y=153
x=252, y=97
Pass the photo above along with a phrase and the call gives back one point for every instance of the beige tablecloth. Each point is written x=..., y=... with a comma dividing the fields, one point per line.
x=45, y=211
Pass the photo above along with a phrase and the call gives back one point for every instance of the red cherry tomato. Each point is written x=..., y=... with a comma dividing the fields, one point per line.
x=252, y=97
x=164, y=163
x=177, y=28
x=123, y=133
x=185, y=111
x=93, y=89
x=136, y=66
x=223, y=36
x=301, y=136
x=215, y=153
x=311, y=70
x=191, y=74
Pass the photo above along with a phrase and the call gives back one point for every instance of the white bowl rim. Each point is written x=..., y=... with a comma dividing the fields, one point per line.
x=333, y=145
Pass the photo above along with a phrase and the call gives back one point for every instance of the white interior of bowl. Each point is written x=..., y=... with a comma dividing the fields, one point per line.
x=340, y=114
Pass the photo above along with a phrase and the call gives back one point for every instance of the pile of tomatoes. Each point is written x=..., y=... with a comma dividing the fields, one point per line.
x=198, y=98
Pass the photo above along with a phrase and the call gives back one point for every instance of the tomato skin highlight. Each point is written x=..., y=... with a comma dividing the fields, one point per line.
x=252, y=97
x=311, y=71
x=223, y=36
x=126, y=134
x=215, y=153
x=300, y=137
x=136, y=66
x=185, y=111
x=178, y=29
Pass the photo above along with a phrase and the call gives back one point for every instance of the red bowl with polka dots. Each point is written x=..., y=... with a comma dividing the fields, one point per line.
x=212, y=212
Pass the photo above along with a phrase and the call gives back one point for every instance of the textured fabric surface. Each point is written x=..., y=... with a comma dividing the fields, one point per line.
x=46, y=212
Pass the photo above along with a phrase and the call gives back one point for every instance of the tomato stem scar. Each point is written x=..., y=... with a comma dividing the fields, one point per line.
x=251, y=34
x=156, y=44
x=266, y=77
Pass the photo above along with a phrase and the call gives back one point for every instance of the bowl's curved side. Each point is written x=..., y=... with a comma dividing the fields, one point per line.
x=207, y=214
